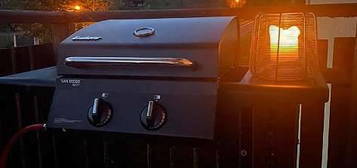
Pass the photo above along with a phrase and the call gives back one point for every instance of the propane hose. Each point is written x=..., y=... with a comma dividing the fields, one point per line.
x=6, y=151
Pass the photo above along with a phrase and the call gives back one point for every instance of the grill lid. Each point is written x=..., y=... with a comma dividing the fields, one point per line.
x=174, y=47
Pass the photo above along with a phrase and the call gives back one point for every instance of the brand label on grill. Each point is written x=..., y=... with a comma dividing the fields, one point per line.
x=65, y=120
x=72, y=82
x=86, y=38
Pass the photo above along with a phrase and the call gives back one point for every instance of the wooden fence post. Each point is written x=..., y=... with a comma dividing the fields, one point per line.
x=61, y=31
x=312, y=123
x=352, y=143
x=340, y=76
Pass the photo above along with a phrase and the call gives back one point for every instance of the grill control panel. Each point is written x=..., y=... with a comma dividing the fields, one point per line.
x=151, y=107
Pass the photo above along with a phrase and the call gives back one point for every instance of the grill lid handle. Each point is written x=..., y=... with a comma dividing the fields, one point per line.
x=113, y=61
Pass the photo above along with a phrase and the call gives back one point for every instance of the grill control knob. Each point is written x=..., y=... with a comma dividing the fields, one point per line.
x=100, y=113
x=153, y=116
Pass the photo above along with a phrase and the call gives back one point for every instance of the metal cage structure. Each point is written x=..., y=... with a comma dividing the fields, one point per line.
x=284, y=47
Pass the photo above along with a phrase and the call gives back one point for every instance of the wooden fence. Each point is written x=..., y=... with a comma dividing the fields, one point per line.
x=24, y=106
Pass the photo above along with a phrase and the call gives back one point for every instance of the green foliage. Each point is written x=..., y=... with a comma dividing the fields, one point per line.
x=167, y=4
x=29, y=4
x=273, y=2
x=43, y=32
x=58, y=5
x=5, y=37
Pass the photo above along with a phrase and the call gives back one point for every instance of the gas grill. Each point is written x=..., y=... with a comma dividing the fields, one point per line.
x=148, y=77
x=145, y=81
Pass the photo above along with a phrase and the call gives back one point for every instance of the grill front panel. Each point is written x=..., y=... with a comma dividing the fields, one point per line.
x=190, y=105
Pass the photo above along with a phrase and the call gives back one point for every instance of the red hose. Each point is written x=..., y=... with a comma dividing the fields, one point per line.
x=14, y=138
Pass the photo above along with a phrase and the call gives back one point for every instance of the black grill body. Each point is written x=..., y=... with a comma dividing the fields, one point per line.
x=177, y=63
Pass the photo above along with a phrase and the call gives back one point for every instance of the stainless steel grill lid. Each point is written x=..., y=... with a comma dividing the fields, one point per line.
x=174, y=47
x=146, y=76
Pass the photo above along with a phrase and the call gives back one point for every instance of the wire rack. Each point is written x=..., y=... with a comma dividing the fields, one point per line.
x=284, y=46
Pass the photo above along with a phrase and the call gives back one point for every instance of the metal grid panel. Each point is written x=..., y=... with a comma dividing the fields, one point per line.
x=284, y=46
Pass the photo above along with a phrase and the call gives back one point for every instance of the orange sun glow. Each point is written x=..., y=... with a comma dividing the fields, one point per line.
x=77, y=7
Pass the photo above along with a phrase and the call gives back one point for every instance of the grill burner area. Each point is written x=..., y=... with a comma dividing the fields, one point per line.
x=149, y=76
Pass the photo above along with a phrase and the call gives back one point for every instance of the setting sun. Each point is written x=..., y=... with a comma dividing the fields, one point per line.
x=288, y=37
x=236, y=3
x=284, y=42
x=77, y=7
